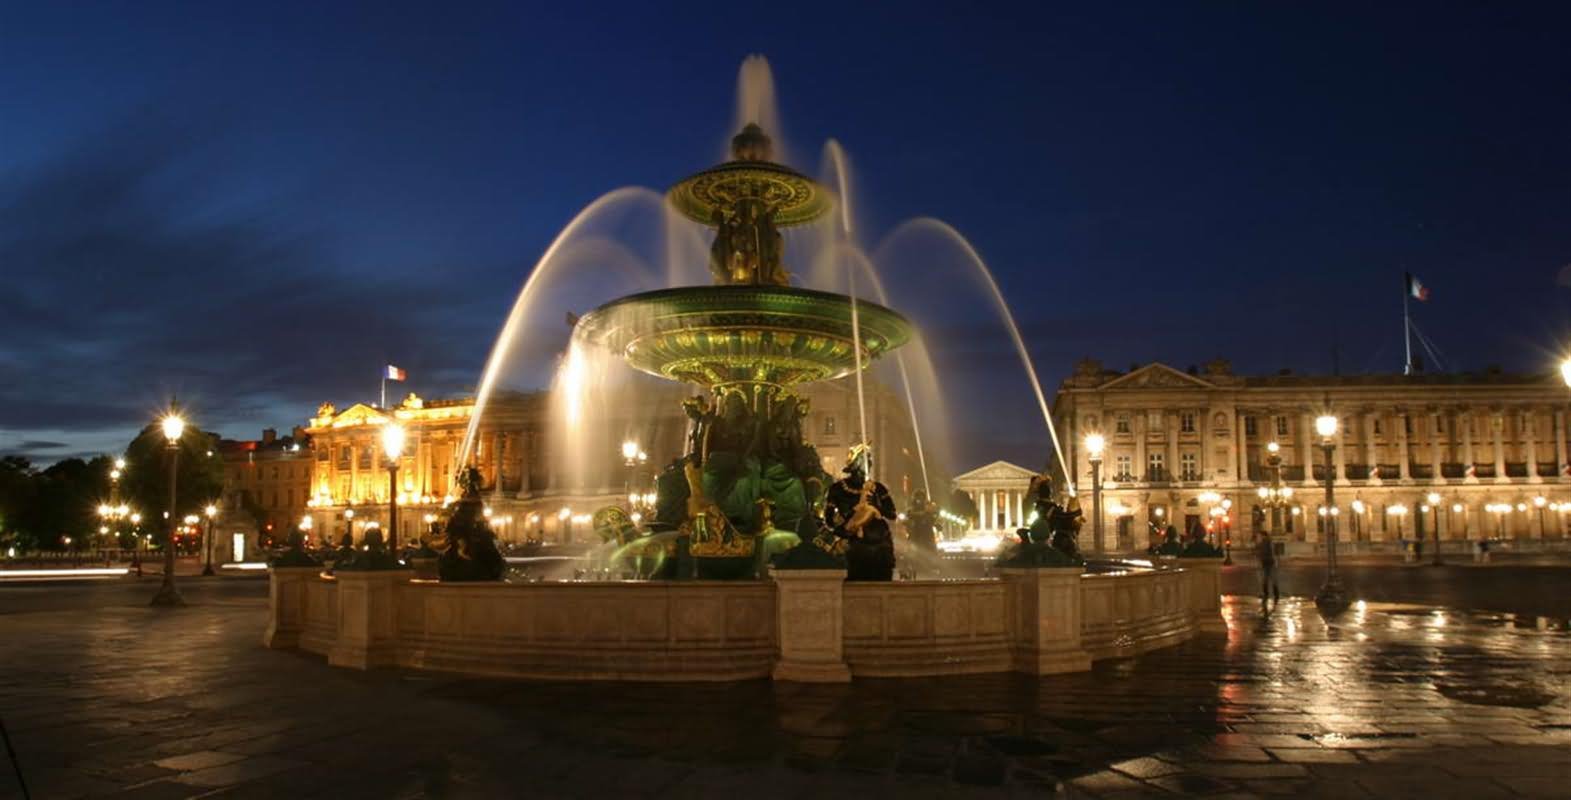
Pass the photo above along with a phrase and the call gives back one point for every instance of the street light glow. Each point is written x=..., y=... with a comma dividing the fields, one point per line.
x=393, y=437
x=173, y=427
x=211, y=510
x=1273, y=448
x=629, y=450
x=1095, y=443
x=1565, y=371
x=1325, y=425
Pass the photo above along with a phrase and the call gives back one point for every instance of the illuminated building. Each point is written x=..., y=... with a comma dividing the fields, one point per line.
x=1449, y=449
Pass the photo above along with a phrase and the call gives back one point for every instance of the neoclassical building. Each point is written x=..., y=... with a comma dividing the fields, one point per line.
x=542, y=480
x=1479, y=455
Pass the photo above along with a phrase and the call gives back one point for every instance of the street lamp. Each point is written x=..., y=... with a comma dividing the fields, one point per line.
x=1399, y=511
x=1539, y=502
x=1095, y=444
x=173, y=426
x=207, y=538
x=1332, y=598
x=393, y=437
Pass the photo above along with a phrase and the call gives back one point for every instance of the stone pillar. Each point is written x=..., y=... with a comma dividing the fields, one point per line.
x=1241, y=445
x=1404, y=471
x=1371, y=449
x=1341, y=454
x=286, y=605
x=1306, y=453
x=1020, y=504
x=809, y=617
x=1045, y=616
x=1009, y=510
x=367, y=618
x=1465, y=422
x=1205, y=593
x=1142, y=466
x=1170, y=421
x=1561, y=467
x=1497, y=421
x=1530, y=430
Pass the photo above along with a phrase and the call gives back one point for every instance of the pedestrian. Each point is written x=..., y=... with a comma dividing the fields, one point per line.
x=1265, y=553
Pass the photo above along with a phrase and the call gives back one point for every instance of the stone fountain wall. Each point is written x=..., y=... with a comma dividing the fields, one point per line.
x=804, y=625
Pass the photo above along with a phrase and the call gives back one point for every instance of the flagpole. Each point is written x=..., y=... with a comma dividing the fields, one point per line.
x=1407, y=325
x=384, y=387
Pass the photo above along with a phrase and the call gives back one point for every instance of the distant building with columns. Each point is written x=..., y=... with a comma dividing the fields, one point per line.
x=999, y=492
x=537, y=485
x=1480, y=455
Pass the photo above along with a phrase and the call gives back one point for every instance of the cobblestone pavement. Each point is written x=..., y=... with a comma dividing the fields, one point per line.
x=1391, y=701
x=1529, y=590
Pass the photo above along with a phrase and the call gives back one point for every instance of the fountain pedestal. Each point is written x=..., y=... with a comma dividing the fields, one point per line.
x=809, y=619
x=368, y=618
x=286, y=600
x=1045, y=616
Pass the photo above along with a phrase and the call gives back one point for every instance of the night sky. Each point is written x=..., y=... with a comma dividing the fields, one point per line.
x=258, y=205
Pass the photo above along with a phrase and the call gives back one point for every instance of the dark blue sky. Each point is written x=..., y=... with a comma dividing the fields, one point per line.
x=258, y=205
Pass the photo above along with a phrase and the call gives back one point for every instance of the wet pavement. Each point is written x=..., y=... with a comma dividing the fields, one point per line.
x=1389, y=701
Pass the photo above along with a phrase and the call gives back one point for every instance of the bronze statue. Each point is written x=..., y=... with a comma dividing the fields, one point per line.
x=920, y=522
x=858, y=509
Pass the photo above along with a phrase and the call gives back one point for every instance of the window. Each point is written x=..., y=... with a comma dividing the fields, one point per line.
x=1189, y=467
x=343, y=457
x=1122, y=424
x=1281, y=426
x=1407, y=425
x=275, y=473
x=1249, y=427
x=1186, y=422
x=321, y=455
x=1379, y=429
x=829, y=425
x=1154, y=466
x=1154, y=420
x=365, y=457
x=1123, y=468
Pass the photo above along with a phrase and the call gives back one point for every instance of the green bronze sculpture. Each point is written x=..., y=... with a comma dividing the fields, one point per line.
x=469, y=551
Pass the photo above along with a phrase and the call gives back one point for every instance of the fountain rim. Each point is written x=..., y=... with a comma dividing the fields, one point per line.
x=819, y=198
x=605, y=326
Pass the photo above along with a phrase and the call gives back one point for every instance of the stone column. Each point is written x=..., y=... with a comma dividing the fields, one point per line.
x=286, y=605
x=1170, y=420
x=1404, y=470
x=1436, y=441
x=1142, y=465
x=1465, y=422
x=367, y=618
x=1497, y=421
x=1241, y=446
x=1561, y=466
x=1530, y=430
x=1306, y=452
x=809, y=620
x=1371, y=449
x=1044, y=616
x=1020, y=504
x=1009, y=510
x=1341, y=454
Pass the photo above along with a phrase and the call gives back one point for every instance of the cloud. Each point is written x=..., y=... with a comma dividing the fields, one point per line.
x=125, y=287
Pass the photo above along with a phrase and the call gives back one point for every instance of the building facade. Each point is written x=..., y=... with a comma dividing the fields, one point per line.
x=1478, y=455
x=267, y=483
x=542, y=477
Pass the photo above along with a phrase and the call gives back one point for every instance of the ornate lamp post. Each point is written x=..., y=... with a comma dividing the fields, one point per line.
x=173, y=427
x=1095, y=444
x=1433, y=499
x=1332, y=598
x=207, y=538
x=393, y=437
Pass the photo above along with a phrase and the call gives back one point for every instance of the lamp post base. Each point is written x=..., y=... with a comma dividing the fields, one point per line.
x=1332, y=598
x=168, y=596
x=208, y=572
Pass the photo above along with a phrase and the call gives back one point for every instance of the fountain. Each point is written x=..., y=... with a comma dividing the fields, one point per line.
x=744, y=342
x=742, y=569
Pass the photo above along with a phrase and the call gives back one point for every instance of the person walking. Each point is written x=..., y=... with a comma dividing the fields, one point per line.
x=1265, y=553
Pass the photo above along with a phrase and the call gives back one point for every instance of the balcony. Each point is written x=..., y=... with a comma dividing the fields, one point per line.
x=1518, y=470
x=1453, y=471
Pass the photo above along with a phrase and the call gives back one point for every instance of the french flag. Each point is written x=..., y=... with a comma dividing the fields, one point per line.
x=394, y=373
x=1417, y=289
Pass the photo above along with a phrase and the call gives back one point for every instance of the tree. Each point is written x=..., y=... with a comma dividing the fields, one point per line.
x=146, y=480
x=65, y=502
x=17, y=488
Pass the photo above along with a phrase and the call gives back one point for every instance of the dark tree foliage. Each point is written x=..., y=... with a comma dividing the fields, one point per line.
x=18, y=485
x=146, y=482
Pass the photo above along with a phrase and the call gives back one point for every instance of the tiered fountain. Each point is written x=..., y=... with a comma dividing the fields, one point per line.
x=745, y=490
x=748, y=485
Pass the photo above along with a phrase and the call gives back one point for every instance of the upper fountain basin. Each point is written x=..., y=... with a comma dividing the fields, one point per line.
x=793, y=198
x=712, y=335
